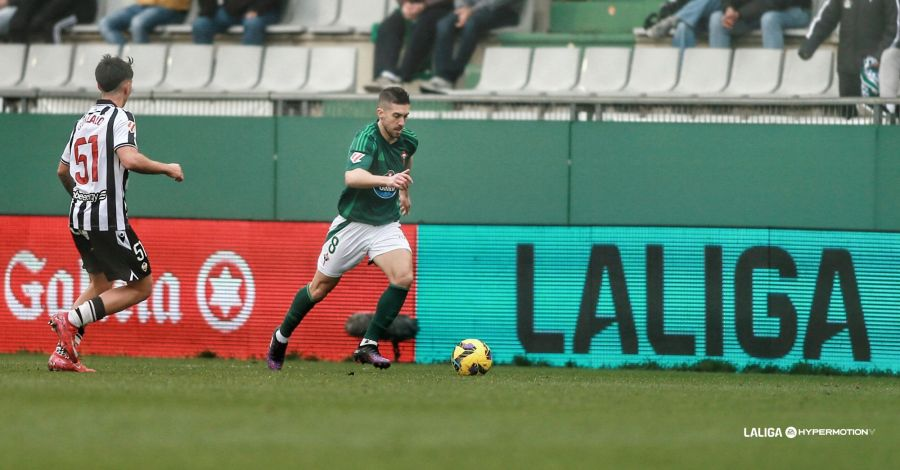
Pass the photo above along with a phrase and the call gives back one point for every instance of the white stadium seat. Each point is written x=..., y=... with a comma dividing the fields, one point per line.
x=604, y=70
x=653, y=70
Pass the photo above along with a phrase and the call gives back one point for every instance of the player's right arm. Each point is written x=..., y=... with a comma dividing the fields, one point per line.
x=357, y=175
x=62, y=171
x=135, y=161
x=359, y=178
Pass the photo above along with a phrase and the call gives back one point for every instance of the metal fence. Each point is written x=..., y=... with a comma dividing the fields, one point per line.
x=701, y=110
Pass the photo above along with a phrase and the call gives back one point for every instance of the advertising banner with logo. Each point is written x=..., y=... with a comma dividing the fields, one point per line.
x=609, y=296
x=220, y=286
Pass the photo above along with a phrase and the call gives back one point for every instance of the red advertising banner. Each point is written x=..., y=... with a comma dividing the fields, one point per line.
x=219, y=286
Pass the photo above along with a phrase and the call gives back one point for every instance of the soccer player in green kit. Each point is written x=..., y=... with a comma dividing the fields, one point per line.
x=376, y=195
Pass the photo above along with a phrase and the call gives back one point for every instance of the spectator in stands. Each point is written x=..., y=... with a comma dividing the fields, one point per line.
x=44, y=20
x=7, y=10
x=889, y=74
x=141, y=19
x=390, y=69
x=471, y=20
x=771, y=16
x=691, y=19
x=867, y=29
x=254, y=15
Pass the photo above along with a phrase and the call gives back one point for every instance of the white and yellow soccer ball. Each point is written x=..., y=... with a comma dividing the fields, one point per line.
x=472, y=357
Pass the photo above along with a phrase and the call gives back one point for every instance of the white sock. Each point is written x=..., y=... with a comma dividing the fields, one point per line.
x=85, y=313
x=280, y=338
x=80, y=316
x=367, y=341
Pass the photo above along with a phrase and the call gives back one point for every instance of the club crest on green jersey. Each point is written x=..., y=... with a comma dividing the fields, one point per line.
x=385, y=192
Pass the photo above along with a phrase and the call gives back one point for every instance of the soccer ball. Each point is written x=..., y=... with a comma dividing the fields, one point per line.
x=472, y=357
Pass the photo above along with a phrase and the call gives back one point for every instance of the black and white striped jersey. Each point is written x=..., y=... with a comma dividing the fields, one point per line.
x=98, y=199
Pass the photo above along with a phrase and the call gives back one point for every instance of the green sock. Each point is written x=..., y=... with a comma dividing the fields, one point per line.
x=302, y=304
x=389, y=306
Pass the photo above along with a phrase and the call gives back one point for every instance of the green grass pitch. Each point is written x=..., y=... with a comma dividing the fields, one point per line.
x=215, y=414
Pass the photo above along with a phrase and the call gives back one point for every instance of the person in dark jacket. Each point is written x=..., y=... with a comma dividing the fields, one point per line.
x=868, y=27
x=44, y=20
x=458, y=34
x=254, y=15
x=772, y=17
x=415, y=41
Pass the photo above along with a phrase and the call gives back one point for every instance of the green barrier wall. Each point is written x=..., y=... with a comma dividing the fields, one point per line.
x=228, y=165
x=496, y=172
x=731, y=175
x=30, y=147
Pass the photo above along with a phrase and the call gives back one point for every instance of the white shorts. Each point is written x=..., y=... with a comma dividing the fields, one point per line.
x=348, y=242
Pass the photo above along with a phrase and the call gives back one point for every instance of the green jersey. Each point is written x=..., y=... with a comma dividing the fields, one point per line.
x=369, y=151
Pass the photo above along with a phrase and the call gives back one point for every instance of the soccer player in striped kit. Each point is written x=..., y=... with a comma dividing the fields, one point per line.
x=376, y=195
x=94, y=168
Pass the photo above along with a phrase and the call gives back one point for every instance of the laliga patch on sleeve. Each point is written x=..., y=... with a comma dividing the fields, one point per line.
x=357, y=157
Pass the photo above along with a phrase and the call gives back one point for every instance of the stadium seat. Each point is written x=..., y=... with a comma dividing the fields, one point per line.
x=703, y=71
x=13, y=59
x=188, y=67
x=833, y=90
x=149, y=66
x=806, y=77
x=504, y=69
x=553, y=70
x=604, y=70
x=300, y=15
x=654, y=70
x=46, y=66
x=237, y=68
x=356, y=17
x=284, y=69
x=331, y=70
x=754, y=71
x=83, y=80
x=526, y=21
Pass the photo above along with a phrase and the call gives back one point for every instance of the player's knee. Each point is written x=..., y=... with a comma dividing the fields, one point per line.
x=102, y=286
x=318, y=291
x=403, y=279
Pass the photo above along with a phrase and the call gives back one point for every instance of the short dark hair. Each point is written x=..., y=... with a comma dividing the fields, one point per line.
x=393, y=95
x=112, y=71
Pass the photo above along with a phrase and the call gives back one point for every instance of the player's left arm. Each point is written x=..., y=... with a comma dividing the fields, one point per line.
x=135, y=161
x=125, y=141
x=405, y=201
